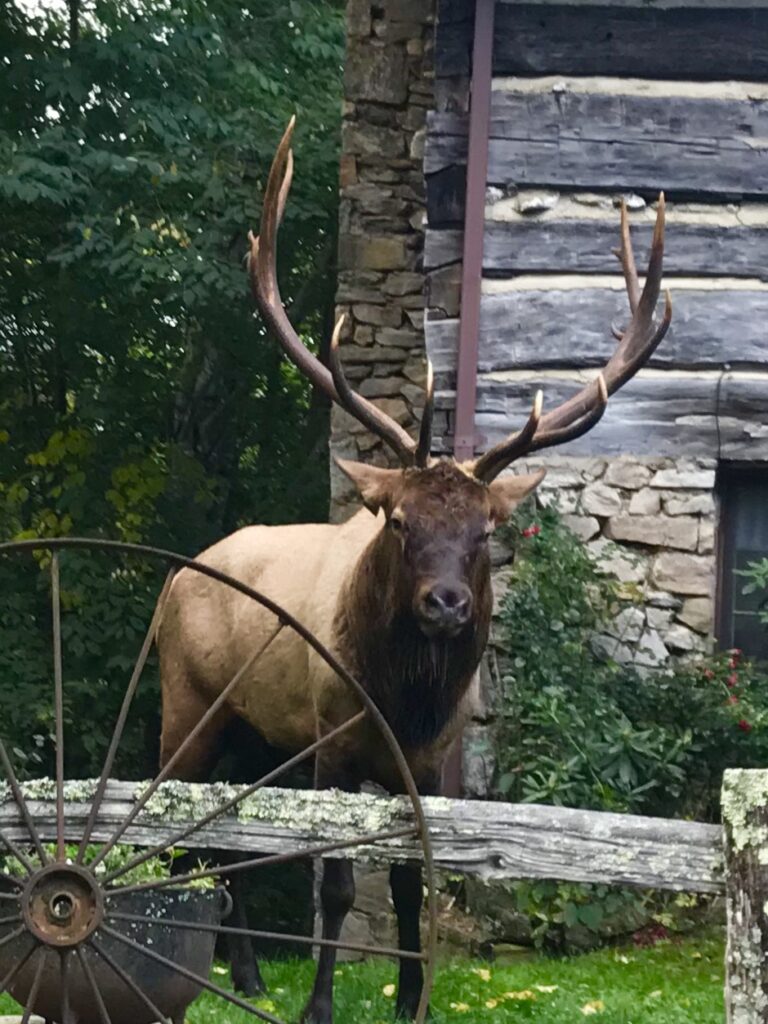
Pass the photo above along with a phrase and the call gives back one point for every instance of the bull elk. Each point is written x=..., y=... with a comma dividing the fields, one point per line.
x=401, y=591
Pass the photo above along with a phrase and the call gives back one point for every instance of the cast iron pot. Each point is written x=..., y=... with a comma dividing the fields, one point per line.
x=169, y=991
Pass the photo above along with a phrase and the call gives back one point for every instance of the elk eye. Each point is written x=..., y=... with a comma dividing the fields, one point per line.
x=396, y=524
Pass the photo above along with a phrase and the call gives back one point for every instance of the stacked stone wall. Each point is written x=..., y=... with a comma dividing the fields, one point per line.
x=389, y=87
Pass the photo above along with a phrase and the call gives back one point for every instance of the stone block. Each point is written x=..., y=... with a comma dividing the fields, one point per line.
x=688, y=477
x=698, y=613
x=402, y=338
x=651, y=651
x=479, y=762
x=364, y=139
x=565, y=501
x=359, y=18
x=395, y=408
x=661, y=599
x=377, y=72
x=683, y=573
x=628, y=625
x=403, y=284
x=611, y=648
x=706, y=536
x=627, y=474
x=347, y=170
x=681, y=640
x=585, y=527
x=689, y=504
x=422, y=11
x=659, y=619
x=626, y=565
x=645, y=502
x=600, y=500
x=381, y=387
x=418, y=142
x=377, y=314
x=655, y=531
x=374, y=252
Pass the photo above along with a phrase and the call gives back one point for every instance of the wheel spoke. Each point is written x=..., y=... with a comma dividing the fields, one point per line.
x=191, y=976
x=22, y=804
x=15, y=919
x=265, y=780
x=98, y=999
x=66, y=982
x=29, y=1006
x=12, y=935
x=304, y=940
x=8, y=895
x=58, y=684
x=127, y=979
x=6, y=981
x=261, y=862
x=188, y=740
x=17, y=852
x=117, y=735
x=11, y=880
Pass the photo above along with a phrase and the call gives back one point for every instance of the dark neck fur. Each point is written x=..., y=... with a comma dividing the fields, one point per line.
x=416, y=682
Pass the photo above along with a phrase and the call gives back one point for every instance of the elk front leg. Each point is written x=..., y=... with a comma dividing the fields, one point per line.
x=337, y=895
x=406, y=884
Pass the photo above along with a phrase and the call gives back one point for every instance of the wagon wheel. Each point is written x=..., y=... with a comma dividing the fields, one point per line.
x=64, y=932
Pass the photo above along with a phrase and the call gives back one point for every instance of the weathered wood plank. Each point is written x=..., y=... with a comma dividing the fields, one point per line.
x=677, y=413
x=693, y=40
x=491, y=840
x=745, y=817
x=539, y=324
x=701, y=144
x=554, y=245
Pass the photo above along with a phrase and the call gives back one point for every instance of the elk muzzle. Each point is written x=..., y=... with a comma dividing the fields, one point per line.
x=443, y=609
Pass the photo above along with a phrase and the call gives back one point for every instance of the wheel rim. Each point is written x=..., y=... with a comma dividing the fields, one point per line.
x=67, y=907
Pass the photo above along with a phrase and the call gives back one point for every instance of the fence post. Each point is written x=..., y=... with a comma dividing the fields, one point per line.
x=745, y=825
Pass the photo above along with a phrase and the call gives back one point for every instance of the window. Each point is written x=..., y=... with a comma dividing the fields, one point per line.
x=743, y=539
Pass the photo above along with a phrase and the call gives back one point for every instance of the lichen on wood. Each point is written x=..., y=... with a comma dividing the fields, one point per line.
x=745, y=821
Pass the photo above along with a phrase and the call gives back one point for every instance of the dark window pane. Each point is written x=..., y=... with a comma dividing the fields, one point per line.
x=744, y=529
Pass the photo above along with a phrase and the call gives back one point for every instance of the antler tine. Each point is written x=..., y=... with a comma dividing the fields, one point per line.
x=425, y=431
x=353, y=403
x=489, y=465
x=263, y=273
x=581, y=412
x=626, y=257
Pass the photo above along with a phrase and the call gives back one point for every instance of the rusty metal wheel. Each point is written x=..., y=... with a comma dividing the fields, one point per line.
x=74, y=944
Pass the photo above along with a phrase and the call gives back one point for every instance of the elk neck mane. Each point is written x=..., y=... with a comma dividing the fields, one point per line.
x=416, y=682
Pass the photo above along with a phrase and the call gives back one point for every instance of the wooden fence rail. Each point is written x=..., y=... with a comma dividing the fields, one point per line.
x=489, y=840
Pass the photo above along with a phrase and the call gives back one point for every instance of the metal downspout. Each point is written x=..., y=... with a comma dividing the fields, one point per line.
x=471, y=275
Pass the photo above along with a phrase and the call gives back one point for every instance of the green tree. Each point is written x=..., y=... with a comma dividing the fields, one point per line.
x=139, y=397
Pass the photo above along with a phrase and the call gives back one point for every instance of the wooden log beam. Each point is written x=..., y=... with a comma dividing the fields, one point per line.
x=610, y=133
x=656, y=39
x=542, y=321
x=745, y=820
x=490, y=840
x=708, y=241
x=707, y=413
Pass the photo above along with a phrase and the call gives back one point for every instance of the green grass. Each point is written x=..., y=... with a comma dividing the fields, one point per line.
x=671, y=983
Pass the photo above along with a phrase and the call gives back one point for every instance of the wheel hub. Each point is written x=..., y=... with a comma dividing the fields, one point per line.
x=62, y=905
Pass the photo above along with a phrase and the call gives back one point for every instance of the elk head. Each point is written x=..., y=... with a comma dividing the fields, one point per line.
x=439, y=513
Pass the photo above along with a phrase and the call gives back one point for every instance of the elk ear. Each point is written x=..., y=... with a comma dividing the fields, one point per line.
x=506, y=493
x=375, y=485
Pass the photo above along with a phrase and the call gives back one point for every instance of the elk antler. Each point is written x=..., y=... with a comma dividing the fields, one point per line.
x=637, y=343
x=263, y=272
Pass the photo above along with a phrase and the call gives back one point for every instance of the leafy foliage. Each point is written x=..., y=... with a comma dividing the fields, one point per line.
x=578, y=730
x=139, y=399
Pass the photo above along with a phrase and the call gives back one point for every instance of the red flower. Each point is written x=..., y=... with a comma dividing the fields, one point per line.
x=532, y=531
x=732, y=680
x=735, y=654
x=708, y=673
x=744, y=725
x=732, y=700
